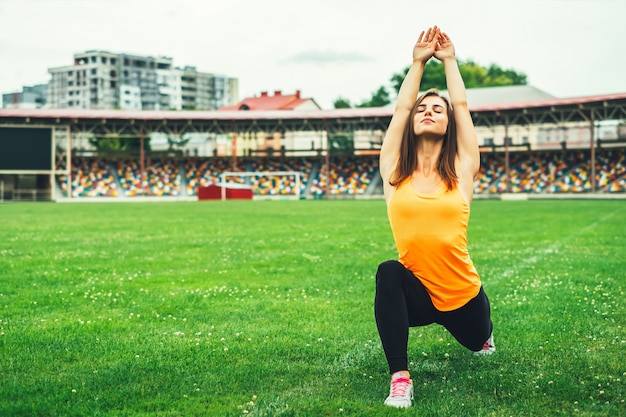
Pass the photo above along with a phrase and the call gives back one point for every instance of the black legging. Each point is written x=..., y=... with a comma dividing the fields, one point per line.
x=402, y=302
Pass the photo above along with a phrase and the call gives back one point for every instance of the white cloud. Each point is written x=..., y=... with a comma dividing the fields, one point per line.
x=314, y=57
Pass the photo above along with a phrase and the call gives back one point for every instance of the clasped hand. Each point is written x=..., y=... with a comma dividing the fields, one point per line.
x=431, y=43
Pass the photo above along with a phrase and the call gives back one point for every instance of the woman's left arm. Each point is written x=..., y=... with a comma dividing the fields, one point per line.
x=469, y=155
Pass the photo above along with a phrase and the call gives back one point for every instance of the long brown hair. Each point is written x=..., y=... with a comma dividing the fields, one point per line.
x=407, y=162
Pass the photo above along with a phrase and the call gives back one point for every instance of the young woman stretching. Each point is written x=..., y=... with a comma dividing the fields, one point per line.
x=428, y=161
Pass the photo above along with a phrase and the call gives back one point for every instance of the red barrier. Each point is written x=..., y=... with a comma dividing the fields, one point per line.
x=232, y=192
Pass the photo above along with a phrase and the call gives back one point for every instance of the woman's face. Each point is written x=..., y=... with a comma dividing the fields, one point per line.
x=431, y=117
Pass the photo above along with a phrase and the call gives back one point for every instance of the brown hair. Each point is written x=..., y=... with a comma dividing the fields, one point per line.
x=407, y=163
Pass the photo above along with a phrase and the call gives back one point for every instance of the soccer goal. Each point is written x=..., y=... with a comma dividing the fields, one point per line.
x=265, y=184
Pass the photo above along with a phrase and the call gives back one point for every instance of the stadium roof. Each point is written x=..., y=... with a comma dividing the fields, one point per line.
x=490, y=96
x=529, y=106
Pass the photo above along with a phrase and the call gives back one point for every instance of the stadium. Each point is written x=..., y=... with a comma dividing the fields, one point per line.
x=264, y=307
x=568, y=147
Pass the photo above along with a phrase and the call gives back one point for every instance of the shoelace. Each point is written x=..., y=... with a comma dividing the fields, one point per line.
x=399, y=386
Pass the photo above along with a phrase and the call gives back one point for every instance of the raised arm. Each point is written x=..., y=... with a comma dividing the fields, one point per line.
x=390, y=150
x=469, y=155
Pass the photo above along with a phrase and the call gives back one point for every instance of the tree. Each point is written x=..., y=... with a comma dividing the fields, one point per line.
x=473, y=74
x=341, y=144
x=177, y=142
x=115, y=144
x=342, y=103
x=499, y=75
x=434, y=76
x=380, y=98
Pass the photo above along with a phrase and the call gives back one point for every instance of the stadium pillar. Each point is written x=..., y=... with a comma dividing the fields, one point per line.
x=507, y=175
x=142, y=165
x=68, y=160
x=592, y=153
x=233, y=147
x=327, y=159
x=234, y=151
x=53, y=164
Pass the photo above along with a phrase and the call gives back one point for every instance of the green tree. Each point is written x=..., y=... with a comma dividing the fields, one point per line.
x=380, y=98
x=177, y=142
x=342, y=103
x=108, y=143
x=341, y=144
x=474, y=76
x=499, y=76
x=433, y=77
x=114, y=144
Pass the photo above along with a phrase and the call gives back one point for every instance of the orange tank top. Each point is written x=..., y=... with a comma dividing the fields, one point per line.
x=430, y=232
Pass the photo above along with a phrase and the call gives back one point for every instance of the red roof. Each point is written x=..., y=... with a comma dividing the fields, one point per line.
x=278, y=101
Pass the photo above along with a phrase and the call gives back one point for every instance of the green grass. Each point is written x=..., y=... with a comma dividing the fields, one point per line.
x=266, y=309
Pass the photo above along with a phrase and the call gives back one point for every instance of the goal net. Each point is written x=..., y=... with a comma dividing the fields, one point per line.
x=266, y=184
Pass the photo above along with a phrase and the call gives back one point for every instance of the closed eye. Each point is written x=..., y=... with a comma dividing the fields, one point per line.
x=436, y=108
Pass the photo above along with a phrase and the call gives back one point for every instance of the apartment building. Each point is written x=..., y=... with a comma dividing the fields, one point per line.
x=204, y=91
x=31, y=97
x=105, y=80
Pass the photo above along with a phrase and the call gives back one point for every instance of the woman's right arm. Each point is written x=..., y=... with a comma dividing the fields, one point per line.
x=390, y=149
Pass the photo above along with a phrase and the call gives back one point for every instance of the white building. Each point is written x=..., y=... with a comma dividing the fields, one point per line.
x=105, y=80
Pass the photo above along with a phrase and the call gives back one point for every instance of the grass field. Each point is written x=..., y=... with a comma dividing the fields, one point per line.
x=266, y=309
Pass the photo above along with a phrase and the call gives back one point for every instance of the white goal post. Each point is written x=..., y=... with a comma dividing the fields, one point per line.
x=264, y=184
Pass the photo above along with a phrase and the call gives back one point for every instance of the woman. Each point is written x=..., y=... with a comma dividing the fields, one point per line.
x=428, y=161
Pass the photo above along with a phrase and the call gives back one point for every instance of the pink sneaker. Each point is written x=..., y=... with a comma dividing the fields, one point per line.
x=488, y=348
x=401, y=393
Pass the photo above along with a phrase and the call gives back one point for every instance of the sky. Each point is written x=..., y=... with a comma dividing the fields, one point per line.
x=327, y=49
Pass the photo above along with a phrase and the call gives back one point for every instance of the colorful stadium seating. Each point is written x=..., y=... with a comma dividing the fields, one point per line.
x=559, y=171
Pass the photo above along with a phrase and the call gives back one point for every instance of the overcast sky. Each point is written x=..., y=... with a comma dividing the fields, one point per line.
x=324, y=48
